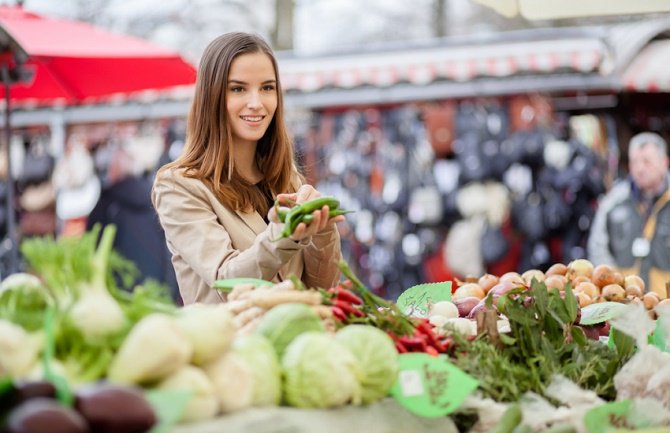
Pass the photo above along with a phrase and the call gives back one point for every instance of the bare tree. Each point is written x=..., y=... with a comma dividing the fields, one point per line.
x=439, y=18
x=282, y=33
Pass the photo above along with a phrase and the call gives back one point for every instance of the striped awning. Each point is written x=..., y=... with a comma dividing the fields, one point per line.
x=422, y=66
x=649, y=71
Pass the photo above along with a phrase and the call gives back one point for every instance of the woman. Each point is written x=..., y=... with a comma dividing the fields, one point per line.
x=215, y=201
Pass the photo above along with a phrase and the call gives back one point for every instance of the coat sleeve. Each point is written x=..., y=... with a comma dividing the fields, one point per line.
x=194, y=232
x=321, y=259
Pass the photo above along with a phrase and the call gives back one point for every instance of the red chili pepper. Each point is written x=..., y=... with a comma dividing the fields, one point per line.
x=348, y=296
x=414, y=343
x=426, y=329
x=339, y=314
x=400, y=347
x=430, y=350
x=348, y=308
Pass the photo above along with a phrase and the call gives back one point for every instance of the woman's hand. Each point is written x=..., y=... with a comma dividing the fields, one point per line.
x=320, y=221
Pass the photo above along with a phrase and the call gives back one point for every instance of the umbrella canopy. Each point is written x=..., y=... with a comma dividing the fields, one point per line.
x=74, y=62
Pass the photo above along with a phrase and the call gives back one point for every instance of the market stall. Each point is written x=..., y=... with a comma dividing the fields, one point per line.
x=563, y=349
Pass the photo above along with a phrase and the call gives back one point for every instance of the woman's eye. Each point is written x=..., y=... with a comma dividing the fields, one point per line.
x=236, y=89
x=269, y=88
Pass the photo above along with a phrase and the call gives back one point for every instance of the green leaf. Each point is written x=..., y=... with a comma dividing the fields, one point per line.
x=169, y=406
x=507, y=340
x=571, y=304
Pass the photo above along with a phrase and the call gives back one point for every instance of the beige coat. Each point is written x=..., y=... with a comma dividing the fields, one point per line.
x=209, y=241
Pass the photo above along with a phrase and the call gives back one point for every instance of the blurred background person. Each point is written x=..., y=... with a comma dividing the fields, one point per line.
x=125, y=201
x=631, y=229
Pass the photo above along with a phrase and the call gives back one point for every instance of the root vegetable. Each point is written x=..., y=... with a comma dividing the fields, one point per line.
x=579, y=267
x=437, y=320
x=614, y=293
x=556, y=269
x=238, y=305
x=633, y=290
x=531, y=274
x=239, y=291
x=272, y=299
x=487, y=281
x=633, y=280
x=248, y=315
x=203, y=403
x=467, y=290
x=588, y=288
x=603, y=275
x=233, y=382
x=650, y=300
x=19, y=350
x=465, y=305
x=462, y=325
x=444, y=308
x=209, y=328
x=96, y=313
x=153, y=349
x=556, y=281
x=512, y=277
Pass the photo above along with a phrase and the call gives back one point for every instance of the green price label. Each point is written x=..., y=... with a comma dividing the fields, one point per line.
x=607, y=417
x=601, y=312
x=416, y=300
x=430, y=386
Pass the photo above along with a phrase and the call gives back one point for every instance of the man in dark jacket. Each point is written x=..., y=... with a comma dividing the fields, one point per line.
x=126, y=202
x=631, y=229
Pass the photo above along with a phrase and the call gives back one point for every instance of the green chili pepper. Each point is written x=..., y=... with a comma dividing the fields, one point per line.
x=299, y=213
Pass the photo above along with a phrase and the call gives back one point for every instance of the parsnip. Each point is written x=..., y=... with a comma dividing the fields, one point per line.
x=269, y=300
x=204, y=403
x=240, y=290
x=233, y=382
x=248, y=315
x=209, y=328
x=153, y=349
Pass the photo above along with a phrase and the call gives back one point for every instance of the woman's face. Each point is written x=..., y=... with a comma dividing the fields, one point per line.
x=251, y=96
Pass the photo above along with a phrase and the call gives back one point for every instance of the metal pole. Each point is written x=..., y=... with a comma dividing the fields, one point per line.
x=11, y=217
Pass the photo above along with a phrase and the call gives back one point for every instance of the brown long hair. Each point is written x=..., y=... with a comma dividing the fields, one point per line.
x=208, y=151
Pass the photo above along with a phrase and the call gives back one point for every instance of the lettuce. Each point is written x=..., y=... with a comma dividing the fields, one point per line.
x=258, y=353
x=376, y=355
x=320, y=373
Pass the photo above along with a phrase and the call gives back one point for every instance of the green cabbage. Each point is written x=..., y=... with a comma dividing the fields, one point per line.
x=259, y=354
x=284, y=322
x=320, y=373
x=376, y=355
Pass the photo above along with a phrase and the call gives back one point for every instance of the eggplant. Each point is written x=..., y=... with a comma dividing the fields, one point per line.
x=44, y=415
x=110, y=408
x=20, y=392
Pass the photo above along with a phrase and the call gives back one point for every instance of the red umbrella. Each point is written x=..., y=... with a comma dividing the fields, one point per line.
x=74, y=62
x=46, y=62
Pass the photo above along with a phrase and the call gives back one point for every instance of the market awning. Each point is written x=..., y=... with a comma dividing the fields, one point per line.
x=650, y=70
x=462, y=63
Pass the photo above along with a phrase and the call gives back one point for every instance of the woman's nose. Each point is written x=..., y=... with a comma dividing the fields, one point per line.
x=254, y=100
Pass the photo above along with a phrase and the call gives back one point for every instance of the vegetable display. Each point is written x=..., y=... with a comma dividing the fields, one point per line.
x=81, y=352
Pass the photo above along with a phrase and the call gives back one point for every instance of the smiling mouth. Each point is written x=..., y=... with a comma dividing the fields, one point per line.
x=252, y=118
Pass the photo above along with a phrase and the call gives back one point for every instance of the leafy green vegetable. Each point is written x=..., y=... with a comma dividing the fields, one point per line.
x=285, y=322
x=376, y=355
x=545, y=339
x=259, y=354
x=319, y=372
